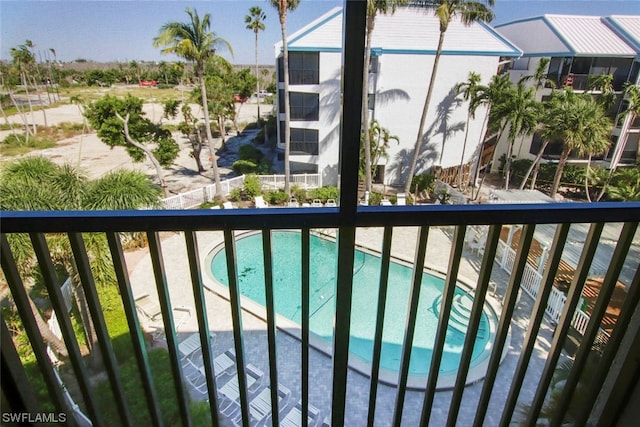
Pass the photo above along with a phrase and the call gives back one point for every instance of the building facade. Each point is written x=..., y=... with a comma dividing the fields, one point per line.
x=402, y=56
x=579, y=49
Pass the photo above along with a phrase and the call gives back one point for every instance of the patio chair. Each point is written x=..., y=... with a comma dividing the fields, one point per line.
x=189, y=345
x=228, y=205
x=401, y=199
x=260, y=406
x=294, y=416
x=148, y=307
x=317, y=203
x=260, y=203
x=385, y=202
x=331, y=203
x=224, y=363
x=293, y=203
x=231, y=390
x=195, y=377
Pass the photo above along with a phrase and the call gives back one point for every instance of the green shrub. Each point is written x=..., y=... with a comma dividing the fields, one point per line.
x=14, y=145
x=249, y=152
x=277, y=197
x=425, y=181
x=265, y=167
x=252, y=186
x=242, y=167
x=299, y=193
x=165, y=86
x=374, y=198
x=408, y=198
x=235, y=195
x=324, y=193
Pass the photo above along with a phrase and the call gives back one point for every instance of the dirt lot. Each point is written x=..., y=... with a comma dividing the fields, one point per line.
x=97, y=158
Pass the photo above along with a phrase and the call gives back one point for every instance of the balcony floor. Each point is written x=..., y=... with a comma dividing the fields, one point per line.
x=289, y=374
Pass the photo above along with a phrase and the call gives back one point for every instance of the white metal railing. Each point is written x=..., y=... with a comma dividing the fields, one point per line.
x=196, y=197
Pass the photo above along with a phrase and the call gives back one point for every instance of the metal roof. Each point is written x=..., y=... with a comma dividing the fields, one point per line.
x=628, y=27
x=572, y=35
x=409, y=30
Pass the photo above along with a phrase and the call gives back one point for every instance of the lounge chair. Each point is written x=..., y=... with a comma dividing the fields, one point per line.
x=293, y=203
x=224, y=363
x=260, y=406
x=189, y=345
x=260, y=203
x=228, y=205
x=401, y=199
x=231, y=390
x=148, y=307
x=385, y=202
x=331, y=203
x=294, y=416
x=317, y=203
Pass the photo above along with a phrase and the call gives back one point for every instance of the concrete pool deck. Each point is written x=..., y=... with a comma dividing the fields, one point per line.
x=289, y=367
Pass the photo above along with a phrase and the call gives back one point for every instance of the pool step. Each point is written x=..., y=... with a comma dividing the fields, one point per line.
x=460, y=312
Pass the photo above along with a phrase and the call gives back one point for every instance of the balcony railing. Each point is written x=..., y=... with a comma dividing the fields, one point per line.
x=250, y=367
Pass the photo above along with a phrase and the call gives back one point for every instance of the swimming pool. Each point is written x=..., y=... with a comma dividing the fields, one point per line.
x=323, y=264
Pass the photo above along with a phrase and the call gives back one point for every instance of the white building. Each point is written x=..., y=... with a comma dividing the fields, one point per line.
x=403, y=52
x=579, y=48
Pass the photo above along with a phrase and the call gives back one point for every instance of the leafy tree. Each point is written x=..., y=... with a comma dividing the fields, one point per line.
x=283, y=6
x=121, y=122
x=582, y=126
x=195, y=42
x=472, y=92
x=446, y=10
x=189, y=128
x=373, y=8
x=255, y=22
x=379, y=138
x=625, y=185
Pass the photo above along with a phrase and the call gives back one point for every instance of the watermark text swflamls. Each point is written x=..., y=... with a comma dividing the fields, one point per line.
x=34, y=418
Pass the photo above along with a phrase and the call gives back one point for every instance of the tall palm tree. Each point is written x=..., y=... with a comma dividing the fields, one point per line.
x=283, y=6
x=255, y=22
x=373, y=8
x=195, y=42
x=472, y=92
x=583, y=126
x=446, y=10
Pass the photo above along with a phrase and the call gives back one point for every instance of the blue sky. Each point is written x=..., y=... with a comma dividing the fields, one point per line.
x=123, y=30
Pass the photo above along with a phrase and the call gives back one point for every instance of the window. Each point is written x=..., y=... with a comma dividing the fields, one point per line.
x=303, y=141
x=304, y=68
x=304, y=106
x=520, y=63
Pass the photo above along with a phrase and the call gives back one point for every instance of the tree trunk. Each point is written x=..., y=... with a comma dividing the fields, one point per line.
x=33, y=118
x=586, y=179
x=56, y=344
x=365, y=106
x=556, y=180
x=196, y=148
x=508, y=165
x=207, y=128
x=154, y=161
x=223, y=132
x=534, y=164
x=423, y=119
x=257, y=81
x=287, y=107
x=464, y=148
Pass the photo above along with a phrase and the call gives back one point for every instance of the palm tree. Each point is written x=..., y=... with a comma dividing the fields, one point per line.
x=373, y=8
x=283, y=6
x=255, y=23
x=522, y=114
x=36, y=183
x=472, y=92
x=583, y=127
x=194, y=42
x=469, y=12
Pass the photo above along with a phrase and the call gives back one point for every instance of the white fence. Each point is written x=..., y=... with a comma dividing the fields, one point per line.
x=195, y=198
x=531, y=279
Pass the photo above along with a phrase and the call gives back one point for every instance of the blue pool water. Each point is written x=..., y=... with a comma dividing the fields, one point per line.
x=323, y=263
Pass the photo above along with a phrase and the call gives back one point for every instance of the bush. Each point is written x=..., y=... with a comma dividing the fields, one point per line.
x=426, y=181
x=165, y=86
x=299, y=193
x=324, y=193
x=277, y=197
x=242, y=167
x=252, y=186
x=235, y=195
x=375, y=198
x=14, y=145
x=249, y=152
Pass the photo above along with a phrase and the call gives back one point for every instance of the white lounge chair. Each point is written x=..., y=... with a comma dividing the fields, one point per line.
x=228, y=205
x=294, y=416
x=317, y=203
x=401, y=199
x=224, y=363
x=331, y=203
x=385, y=202
x=293, y=203
x=148, y=307
x=260, y=406
x=189, y=345
x=260, y=203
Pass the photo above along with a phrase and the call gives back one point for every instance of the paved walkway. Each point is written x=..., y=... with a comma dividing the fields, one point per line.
x=289, y=358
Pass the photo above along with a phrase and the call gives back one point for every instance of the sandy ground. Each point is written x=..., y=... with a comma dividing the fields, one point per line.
x=96, y=158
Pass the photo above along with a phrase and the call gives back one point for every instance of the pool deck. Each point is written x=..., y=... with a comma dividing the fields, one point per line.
x=289, y=367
